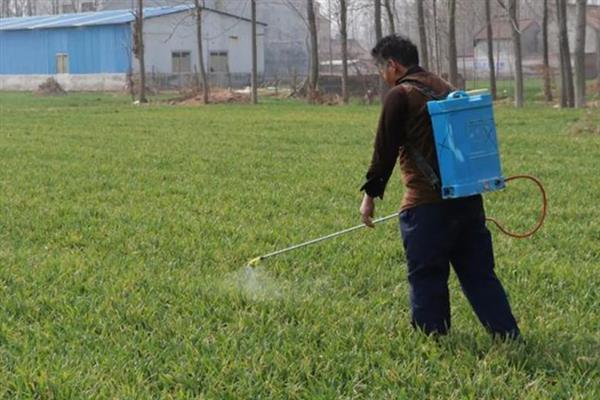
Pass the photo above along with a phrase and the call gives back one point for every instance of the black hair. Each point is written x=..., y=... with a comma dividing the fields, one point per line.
x=398, y=48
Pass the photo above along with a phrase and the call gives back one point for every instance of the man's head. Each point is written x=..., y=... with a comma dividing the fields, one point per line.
x=394, y=55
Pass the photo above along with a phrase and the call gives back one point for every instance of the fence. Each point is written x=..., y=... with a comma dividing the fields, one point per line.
x=166, y=81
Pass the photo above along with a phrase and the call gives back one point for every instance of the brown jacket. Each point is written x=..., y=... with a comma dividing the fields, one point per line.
x=405, y=120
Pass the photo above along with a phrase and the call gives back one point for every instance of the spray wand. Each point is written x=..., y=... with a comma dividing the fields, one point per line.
x=256, y=260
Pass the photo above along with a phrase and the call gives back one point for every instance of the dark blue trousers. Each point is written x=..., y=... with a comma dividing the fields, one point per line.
x=453, y=232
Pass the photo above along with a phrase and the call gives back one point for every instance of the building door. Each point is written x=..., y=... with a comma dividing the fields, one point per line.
x=62, y=63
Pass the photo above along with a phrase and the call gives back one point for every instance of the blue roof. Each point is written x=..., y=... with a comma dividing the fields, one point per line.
x=84, y=19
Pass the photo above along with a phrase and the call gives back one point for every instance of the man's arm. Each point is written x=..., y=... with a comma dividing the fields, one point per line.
x=389, y=138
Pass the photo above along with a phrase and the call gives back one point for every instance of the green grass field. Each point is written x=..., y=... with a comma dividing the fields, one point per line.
x=124, y=232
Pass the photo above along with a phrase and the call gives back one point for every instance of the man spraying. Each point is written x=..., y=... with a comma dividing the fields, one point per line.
x=435, y=232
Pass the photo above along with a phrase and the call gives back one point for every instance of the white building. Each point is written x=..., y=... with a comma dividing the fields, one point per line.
x=286, y=36
x=93, y=51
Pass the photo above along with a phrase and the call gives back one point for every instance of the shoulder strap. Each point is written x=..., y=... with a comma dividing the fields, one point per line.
x=425, y=90
x=422, y=163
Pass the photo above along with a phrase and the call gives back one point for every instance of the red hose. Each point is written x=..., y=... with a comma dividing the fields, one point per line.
x=542, y=216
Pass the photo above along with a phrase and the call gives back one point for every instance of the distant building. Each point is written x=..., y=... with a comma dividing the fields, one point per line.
x=93, y=51
x=531, y=46
x=286, y=37
x=360, y=61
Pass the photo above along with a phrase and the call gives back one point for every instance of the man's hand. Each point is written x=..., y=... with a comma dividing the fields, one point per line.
x=367, y=208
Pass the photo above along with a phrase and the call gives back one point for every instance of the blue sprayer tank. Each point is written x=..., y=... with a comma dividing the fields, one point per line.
x=466, y=144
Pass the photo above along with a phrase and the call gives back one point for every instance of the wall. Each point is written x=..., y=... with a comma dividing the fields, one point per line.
x=285, y=36
x=177, y=32
x=94, y=49
x=84, y=82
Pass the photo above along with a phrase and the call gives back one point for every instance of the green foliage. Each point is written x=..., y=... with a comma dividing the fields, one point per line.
x=124, y=231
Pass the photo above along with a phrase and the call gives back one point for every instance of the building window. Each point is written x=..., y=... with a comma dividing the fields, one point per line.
x=218, y=61
x=219, y=5
x=88, y=6
x=68, y=8
x=181, y=62
x=62, y=63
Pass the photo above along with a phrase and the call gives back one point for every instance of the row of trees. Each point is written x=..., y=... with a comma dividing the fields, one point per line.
x=568, y=96
x=572, y=91
x=572, y=88
x=20, y=8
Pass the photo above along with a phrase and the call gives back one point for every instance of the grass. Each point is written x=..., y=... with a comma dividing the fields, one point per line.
x=532, y=89
x=124, y=231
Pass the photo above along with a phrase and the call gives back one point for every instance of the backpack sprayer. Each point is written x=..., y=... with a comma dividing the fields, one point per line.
x=467, y=150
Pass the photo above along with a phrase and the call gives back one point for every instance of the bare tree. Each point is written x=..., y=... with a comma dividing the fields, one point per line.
x=314, y=50
x=490, y=48
x=567, y=95
x=453, y=67
x=378, y=36
x=203, y=76
x=598, y=61
x=518, y=58
x=422, y=35
x=139, y=49
x=344, y=43
x=580, y=54
x=5, y=8
x=547, y=83
x=437, y=39
x=390, y=14
x=254, y=55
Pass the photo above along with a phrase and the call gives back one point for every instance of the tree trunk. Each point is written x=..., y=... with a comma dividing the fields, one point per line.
x=18, y=9
x=518, y=58
x=140, y=48
x=563, y=77
x=437, y=40
x=390, y=15
x=598, y=61
x=422, y=36
x=203, y=76
x=4, y=9
x=547, y=83
x=580, y=54
x=254, y=54
x=329, y=38
x=567, y=96
x=453, y=67
x=490, y=49
x=314, y=50
x=378, y=36
x=344, y=40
